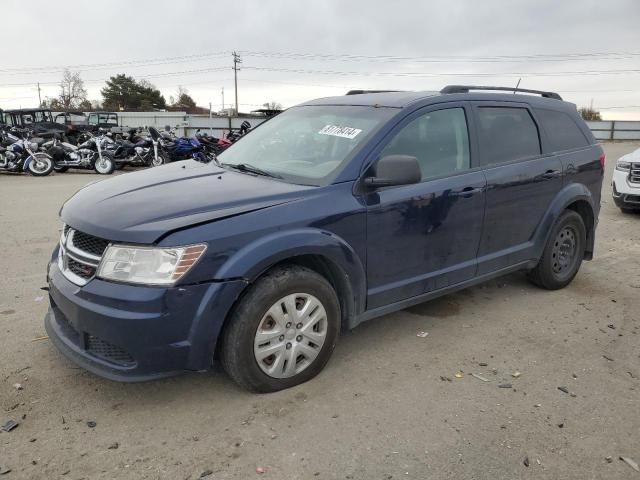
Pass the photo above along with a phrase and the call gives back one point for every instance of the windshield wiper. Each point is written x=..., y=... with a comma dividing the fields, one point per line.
x=247, y=167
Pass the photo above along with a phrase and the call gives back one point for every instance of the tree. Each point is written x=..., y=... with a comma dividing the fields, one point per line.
x=124, y=93
x=589, y=113
x=53, y=104
x=183, y=98
x=272, y=105
x=72, y=91
x=85, y=106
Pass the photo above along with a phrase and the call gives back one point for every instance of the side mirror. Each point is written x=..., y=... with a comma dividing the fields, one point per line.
x=394, y=170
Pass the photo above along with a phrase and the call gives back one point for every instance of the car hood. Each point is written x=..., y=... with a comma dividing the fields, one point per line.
x=143, y=206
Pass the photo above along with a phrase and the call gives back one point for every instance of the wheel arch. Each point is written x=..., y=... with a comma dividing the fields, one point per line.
x=578, y=198
x=321, y=251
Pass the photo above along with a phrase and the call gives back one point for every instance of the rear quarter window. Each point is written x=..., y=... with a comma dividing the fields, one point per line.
x=507, y=134
x=561, y=130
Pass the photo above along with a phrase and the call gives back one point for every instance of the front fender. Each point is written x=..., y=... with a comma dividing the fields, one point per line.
x=569, y=194
x=27, y=162
x=255, y=258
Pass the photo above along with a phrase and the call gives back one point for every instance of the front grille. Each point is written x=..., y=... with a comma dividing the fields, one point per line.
x=634, y=175
x=80, y=255
x=632, y=198
x=89, y=243
x=80, y=269
x=104, y=350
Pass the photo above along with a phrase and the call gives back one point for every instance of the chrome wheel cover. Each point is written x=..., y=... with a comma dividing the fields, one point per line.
x=103, y=165
x=290, y=335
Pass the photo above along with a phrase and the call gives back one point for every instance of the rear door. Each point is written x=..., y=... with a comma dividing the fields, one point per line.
x=521, y=182
x=425, y=236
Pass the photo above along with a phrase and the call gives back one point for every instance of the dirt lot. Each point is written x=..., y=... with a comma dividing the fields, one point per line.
x=387, y=406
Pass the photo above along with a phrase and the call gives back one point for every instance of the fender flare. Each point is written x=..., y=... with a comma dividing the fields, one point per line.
x=569, y=194
x=257, y=257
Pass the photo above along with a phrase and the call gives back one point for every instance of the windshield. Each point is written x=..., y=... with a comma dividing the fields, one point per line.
x=109, y=118
x=307, y=144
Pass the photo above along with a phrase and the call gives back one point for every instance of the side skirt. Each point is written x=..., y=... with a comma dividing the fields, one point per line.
x=409, y=302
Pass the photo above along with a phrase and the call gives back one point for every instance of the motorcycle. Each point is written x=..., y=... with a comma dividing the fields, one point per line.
x=174, y=149
x=137, y=151
x=212, y=146
x=19, y=152
x=88, y=154
x=234, y=136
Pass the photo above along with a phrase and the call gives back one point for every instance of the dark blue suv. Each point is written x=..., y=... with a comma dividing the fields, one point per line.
x=336, y=211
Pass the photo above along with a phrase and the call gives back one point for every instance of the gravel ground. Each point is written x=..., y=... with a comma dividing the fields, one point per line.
x=388, y=405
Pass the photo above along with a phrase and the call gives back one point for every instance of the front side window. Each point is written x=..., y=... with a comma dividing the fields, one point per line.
x=507, y=134
x=438, y=139
x=93, y=119
x=308, y=144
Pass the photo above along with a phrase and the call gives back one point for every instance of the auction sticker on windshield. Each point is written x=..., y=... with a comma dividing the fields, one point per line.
x=336, y=131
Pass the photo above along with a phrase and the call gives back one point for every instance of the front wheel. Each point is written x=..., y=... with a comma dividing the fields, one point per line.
x=563, y=253
x=161, y=160
x=106, y=165
x=41, y=165
x=282, y=332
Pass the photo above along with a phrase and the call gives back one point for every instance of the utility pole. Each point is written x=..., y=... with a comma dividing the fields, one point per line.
x=236, y=61
x=222, y=100
x=39, y=98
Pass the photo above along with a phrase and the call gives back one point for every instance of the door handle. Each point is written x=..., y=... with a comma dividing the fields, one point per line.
x=467, y=192
x=551, y=174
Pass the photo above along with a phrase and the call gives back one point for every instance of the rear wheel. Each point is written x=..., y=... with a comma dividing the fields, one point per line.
x=563, y=253
x=282, y=332
x=105, y=165
x=40, y=165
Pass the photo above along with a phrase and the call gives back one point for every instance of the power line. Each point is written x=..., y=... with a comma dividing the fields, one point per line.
x=448, y=58
x=155, y=75
x=446, y=74
x=85, y=66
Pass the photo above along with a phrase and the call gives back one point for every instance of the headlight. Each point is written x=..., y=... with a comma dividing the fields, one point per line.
x=623, y=166
x=148, y=265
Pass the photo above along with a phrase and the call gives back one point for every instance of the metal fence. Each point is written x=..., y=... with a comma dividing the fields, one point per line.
x=186, y=124
x=615, y=130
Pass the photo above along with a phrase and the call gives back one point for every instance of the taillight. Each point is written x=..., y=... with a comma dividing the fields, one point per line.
x=602, y=159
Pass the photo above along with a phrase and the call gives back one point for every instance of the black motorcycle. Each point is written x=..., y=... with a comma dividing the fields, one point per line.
x=88, y=154
x=19, y=153
x=136, y=151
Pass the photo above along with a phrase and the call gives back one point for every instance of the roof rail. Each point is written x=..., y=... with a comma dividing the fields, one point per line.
x=467, y=88
x=360, y=92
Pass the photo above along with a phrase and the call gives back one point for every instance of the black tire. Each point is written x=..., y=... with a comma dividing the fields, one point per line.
x=237, y=339
x=60, y=169
x=555, y=270
x=42, y=159
x=162, y=160
x=106, y=166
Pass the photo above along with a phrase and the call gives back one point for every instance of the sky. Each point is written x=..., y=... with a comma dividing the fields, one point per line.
x=292, y=51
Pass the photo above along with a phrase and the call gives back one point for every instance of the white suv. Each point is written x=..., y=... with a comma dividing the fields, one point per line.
x=626, y=182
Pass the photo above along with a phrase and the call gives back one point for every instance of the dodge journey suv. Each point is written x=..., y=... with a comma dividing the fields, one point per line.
x=332, y=213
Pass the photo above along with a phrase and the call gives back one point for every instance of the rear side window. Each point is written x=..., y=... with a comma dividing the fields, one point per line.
x=562, y=131
x=507, y=134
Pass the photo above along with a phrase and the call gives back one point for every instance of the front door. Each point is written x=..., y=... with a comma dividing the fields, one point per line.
x=425, y=236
